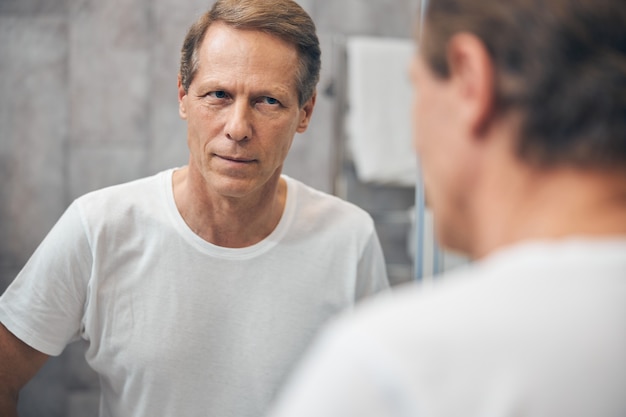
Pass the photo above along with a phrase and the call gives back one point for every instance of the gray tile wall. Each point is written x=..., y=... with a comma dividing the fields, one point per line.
x=89, y=100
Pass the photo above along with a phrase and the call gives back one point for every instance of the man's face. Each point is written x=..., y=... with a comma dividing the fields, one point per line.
x=242, y=110
x=438, y=143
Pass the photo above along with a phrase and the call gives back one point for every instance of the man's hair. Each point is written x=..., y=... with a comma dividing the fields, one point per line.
x=283, y=19
x=561, y=62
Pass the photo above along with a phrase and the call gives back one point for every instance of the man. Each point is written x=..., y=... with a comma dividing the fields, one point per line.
x=520, y=116
x=198, y=289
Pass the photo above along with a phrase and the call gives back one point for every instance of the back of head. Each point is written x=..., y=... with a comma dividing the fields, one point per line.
x=284, y=19
x=561, y=63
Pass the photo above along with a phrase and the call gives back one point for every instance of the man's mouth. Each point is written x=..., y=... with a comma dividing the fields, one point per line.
x=238, y=159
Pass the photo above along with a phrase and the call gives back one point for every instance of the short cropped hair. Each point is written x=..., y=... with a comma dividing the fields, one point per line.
x=561, y=62
x=284, y=19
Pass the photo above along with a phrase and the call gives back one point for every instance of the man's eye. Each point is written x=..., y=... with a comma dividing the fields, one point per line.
x=218, y=94
x=270, y=100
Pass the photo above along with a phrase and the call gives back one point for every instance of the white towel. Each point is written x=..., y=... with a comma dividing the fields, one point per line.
x=379, y=120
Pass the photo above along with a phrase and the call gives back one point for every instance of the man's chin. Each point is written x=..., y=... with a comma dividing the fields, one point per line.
x=236, y=186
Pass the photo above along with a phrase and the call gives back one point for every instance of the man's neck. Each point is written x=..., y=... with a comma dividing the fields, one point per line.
x=228, y=221
x=529, y=204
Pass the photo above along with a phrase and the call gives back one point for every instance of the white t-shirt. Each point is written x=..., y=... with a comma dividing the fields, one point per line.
x=536, y=330
x=178, y=326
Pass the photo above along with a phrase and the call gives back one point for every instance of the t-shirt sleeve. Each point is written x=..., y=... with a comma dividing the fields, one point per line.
x=372, y=272
x=44, y=305
x=345, y=375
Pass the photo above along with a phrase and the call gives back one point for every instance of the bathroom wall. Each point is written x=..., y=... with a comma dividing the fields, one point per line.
x=89, y=100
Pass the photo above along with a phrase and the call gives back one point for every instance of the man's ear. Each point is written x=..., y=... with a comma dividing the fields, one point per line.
x=182, y=95
x=472, y=72
x=306, y=113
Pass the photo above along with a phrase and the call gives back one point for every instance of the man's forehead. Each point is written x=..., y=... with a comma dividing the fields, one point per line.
x=221, y=26
x=220, y=35
x=230, y=56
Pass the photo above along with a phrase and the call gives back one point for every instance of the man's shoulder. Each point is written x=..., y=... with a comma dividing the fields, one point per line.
x=141, y=194
x=493, y=296
x=131, y=189
x=322, y=203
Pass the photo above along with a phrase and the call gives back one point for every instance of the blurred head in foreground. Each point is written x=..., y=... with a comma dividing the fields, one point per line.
x=520, y=119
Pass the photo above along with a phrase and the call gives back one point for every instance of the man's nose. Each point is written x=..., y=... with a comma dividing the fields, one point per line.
x=239, y=123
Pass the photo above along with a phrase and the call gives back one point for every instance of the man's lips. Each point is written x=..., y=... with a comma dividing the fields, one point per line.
x=235, y=158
